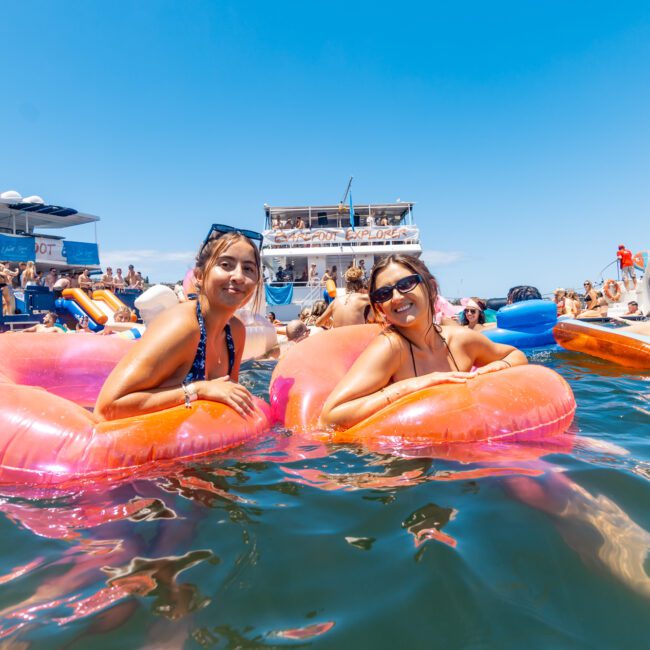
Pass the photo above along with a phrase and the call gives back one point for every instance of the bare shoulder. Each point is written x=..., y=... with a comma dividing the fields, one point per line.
x=237, y=328
x=176, y=324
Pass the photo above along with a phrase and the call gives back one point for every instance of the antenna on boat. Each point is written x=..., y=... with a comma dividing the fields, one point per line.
x=347, y=191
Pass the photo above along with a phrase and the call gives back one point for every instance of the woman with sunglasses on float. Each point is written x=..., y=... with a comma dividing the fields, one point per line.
x=412, y=352
x=473, y=315
x=193, y=350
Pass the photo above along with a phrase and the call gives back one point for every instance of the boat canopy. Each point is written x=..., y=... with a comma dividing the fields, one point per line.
x=23, y=217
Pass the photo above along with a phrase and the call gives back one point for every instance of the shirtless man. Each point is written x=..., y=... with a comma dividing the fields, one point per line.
x=48, y=326
x=107, y=279
x=351, y=309
x=118, y=281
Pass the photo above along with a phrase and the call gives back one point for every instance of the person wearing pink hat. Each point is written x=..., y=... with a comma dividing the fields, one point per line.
x=473, y=314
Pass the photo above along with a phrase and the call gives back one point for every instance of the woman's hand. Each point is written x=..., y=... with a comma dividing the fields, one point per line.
x=435, y=378
x=493, y=367
x=227, y=392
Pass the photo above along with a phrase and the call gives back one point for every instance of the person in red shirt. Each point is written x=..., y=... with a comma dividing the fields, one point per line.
x=627, y=266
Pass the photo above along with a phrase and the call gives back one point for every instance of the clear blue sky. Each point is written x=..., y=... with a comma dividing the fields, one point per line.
x=520, y=129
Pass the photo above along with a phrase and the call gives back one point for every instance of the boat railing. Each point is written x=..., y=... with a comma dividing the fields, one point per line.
x=336, y=237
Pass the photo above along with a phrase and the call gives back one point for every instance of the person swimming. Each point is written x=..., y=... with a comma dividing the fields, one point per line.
x=194, y=349
x=412, y=352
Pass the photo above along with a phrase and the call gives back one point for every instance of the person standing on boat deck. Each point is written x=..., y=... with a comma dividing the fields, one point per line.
x=627, y=266
x=85, y=283
x=412, y=352
x=312, y=278
x=364, y=272
x=61, y=285
x=28, y=276
x=119, y=283
x=131, y=276
x=194, y=349
x=51, y=278
x=351, y=309
x=107, y=279
x=370, y=221
x=300, y=223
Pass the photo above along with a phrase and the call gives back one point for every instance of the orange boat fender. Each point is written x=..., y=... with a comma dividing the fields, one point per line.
x=612, y=291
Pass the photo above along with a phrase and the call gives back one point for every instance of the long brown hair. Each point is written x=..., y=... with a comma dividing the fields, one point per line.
x=214, y=248
x=416, y=266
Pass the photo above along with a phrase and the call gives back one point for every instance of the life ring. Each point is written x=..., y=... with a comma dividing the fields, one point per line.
x=330, y=288
x=48, y=439
x=619, y=347
x=612, y=290
x=521, y=403
x=640, y=261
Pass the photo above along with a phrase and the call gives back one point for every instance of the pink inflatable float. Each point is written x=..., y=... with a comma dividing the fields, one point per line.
x=48, y=438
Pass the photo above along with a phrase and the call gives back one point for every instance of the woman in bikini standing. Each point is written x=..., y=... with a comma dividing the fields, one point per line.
x=194, y=349
x=412, y=352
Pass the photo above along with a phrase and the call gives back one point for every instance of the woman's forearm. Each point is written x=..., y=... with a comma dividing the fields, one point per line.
x=348, y=414
x=138, y=403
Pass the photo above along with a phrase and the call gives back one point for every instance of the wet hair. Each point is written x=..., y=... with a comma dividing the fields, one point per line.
x=213, y=249
x=414, y=265
x=353, y=279
x=482, y=306
x=524, y=292
x=318, y=308
x=296, y=329
x=51, y=314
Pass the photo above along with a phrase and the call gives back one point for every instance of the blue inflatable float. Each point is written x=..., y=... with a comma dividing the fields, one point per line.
x=527, y=324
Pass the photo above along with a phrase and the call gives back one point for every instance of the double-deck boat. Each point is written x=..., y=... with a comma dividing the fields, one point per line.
x=22, y=219
x=302, y=239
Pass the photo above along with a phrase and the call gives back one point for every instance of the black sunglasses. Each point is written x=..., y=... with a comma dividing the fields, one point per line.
x=405, y=285
x=222, y=229
x=470, y=310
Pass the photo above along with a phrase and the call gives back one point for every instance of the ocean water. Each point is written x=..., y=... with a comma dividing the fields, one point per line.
x=288, y=543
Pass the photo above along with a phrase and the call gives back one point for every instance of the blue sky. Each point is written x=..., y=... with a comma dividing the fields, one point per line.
x=520, y=129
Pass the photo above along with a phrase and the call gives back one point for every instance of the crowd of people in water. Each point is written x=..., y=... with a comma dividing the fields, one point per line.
x=16, y=276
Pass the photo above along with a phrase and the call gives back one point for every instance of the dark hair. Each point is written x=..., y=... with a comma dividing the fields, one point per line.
x=481, y=311
x=212, y=249
x=524, y=292
x=272, y=313
x=415, y=265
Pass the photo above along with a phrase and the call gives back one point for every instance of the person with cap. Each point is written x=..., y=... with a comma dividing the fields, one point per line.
x=626, y=263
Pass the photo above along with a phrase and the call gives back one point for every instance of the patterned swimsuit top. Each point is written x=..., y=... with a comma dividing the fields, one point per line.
x=197, y=371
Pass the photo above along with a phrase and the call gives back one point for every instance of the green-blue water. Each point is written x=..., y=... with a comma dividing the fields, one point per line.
x=288, y=544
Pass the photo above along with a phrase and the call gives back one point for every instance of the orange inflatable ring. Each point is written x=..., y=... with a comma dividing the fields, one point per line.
x=622, y=348
x=330, y=288
x=48, y=439
x=522, y=403
x=612, y=290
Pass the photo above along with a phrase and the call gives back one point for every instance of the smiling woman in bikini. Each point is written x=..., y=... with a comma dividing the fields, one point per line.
x=412, y=352
x=193, y=350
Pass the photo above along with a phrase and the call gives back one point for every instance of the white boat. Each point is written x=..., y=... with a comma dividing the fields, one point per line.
x=620, y=295
x=21, y=239
x=328, y=238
